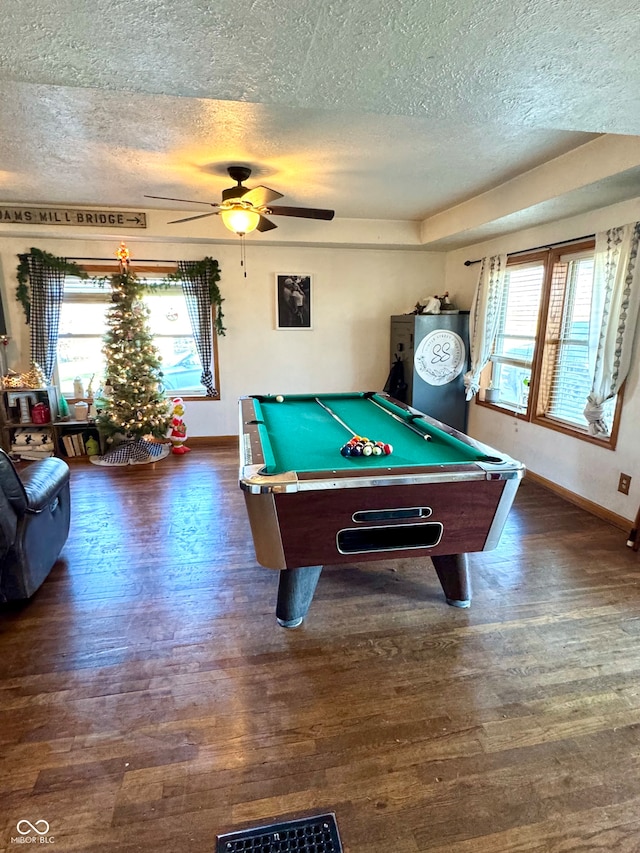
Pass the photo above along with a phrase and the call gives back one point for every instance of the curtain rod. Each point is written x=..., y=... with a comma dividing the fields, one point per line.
x=114, y=260
x=137, y=260
x=535, y=248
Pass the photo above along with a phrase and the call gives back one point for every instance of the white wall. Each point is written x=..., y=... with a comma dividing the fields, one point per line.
x=582, y=468
x=354, y=293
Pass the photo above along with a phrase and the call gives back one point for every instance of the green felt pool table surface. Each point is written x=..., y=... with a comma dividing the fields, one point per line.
x=298, y=434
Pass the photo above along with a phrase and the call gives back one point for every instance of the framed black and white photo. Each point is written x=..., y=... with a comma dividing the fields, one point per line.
x=293, y=301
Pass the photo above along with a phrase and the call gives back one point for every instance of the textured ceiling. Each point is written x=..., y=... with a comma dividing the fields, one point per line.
x=386, y=109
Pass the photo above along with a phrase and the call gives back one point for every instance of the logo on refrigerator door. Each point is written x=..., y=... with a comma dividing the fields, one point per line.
x=440, y=357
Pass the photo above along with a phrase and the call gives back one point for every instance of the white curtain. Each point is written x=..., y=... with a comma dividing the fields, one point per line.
x=483, y=319
x=614, y=317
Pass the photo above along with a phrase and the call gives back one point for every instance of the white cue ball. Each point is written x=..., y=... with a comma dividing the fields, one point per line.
x=279, y=399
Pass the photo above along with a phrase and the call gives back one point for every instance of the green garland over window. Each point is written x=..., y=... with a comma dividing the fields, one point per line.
x=210, y=270
x=23, y=295
x=207, y=267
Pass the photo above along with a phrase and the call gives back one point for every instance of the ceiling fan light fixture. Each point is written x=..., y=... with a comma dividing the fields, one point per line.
x=243, y=209
x=240, y=219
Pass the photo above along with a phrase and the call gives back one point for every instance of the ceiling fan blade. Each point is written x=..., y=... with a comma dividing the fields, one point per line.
x=265, y=225
x=259, y=196
x=189, y=200
x=303, y=212
x=190, y=218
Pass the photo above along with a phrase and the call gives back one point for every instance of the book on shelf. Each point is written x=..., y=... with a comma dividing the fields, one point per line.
x=67, y=441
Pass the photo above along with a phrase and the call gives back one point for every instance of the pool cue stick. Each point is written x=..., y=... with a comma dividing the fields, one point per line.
x=333, y=415
x=424, y=435
x=633, y=540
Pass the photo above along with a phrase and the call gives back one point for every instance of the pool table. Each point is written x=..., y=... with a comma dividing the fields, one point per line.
x=438, y=494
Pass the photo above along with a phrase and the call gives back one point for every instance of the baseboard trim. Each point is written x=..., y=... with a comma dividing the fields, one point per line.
x=211, y=440
x=593, y=508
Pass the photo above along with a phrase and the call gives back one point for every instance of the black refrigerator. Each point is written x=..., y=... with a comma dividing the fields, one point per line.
x=434, y=350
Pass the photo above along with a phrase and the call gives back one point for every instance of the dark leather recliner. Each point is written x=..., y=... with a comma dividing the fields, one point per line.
x=34, y=523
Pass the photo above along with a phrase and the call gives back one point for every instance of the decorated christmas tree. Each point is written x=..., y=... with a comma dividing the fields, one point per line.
x=132, y=407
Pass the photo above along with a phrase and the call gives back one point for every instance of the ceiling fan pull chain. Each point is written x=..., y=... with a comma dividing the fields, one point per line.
x=243, y=254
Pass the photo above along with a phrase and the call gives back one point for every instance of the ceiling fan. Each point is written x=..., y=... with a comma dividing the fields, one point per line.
x=244, y=210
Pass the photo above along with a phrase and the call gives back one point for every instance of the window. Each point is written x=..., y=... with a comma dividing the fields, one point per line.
x=568, y=381
x=82, y=326
x=541, y=365
x=514, y=347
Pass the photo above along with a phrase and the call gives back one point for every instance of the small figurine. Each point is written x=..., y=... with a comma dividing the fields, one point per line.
x=91, y=446
x=63, y=408
x=446, y=305
x=427, y=305
x=178, y=434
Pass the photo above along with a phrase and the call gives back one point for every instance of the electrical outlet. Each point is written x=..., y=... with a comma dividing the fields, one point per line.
x=624, y=483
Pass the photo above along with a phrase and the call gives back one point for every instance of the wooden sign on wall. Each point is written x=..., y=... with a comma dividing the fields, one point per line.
x=71, y=216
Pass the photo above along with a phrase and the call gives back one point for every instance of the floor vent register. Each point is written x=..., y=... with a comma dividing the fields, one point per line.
x=318, y=834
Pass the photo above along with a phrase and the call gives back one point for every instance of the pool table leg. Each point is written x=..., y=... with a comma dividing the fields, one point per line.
x=453, y=573
x=295, y=592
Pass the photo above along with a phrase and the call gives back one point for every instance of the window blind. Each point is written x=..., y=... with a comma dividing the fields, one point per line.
x=571, y=376
x=517, y=326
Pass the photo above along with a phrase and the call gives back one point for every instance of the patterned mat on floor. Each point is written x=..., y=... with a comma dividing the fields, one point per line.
x=133, y=453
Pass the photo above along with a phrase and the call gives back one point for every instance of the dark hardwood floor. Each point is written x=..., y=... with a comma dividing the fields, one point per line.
x=149, y=700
